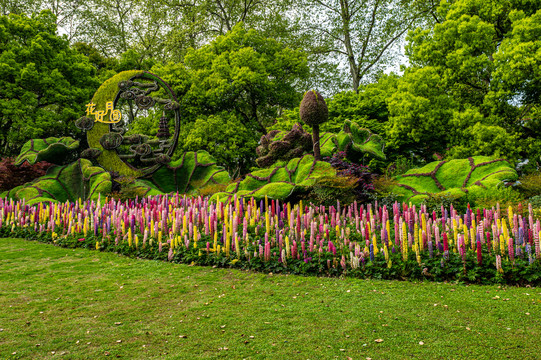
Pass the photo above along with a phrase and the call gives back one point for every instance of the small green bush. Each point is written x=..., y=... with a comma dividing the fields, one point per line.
x=327, y=190
x=530, y=185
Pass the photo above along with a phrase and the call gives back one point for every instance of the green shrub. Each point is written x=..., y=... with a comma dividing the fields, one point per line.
x=530, y=185
x=330, y=189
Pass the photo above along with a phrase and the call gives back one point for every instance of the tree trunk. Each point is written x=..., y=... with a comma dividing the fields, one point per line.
x=315, y=139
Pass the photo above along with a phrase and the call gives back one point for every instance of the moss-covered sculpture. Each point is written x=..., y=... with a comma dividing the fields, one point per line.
x=454, y=177
x=195, y=170
x=313, y=112
x=54, y=150
x=78, y=180
x=281, y=145
x=110, y=146
x=356, y=141
x=135, y=90
x=280, y=182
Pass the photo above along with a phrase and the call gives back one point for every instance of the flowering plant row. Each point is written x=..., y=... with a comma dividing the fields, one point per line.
x=405, y=242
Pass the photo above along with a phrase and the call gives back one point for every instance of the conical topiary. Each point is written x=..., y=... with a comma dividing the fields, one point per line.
x=313, y=112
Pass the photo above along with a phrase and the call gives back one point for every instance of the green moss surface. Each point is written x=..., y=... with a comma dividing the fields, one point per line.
x=105, y=93
x=455, y=177
x=279, y=182
x=78, y=180
x=53, y=149
x=194, y=170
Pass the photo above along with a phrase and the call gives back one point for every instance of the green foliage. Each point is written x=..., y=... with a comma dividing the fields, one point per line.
x=78, y=180
x=241, y=72
x=328, y=190
x=280, y=182
x=53, y=150
x=238, y=84
x=530, y=185
x=188, y=174
x=473, y=85
x=367, y=107
x=505, y=196
x=44, y=84
x=224, y=137
x=478, y=177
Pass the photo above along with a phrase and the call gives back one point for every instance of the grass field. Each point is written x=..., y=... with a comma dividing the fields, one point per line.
x=81, y=304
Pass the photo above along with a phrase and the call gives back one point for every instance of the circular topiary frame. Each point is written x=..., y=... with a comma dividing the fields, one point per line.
x=110, y=91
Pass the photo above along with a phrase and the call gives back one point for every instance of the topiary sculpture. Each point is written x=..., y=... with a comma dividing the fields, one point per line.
x=313, y=112
x=283, y=146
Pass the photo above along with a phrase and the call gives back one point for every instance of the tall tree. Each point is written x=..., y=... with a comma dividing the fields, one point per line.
x=44, y=84
x=473, y=83
x=364, y=34
x=241, y=77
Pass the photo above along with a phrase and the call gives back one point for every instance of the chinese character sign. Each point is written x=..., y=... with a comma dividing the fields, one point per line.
x=100, y=116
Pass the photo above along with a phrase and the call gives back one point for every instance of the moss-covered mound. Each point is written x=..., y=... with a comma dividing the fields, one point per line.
x=455, y=177
x=193, y=171
x=279, y=182
x=53, y=149
x=78, y=180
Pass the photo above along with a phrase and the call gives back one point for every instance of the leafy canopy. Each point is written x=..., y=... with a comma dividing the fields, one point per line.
x=44, y=84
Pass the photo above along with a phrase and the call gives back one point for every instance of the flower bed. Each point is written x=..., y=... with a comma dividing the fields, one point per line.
x=489, y=246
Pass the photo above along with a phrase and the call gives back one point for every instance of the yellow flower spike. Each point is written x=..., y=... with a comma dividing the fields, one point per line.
x=195, y=238
x=152, y=227
x=375, y=243
x=416, y=233
x=184, y=224
x=136, y=241
x=404, y=235
x=97, y=245
x=267, y=221
x=85, y=227
x=129, y=237
x=288, y=211
x=502, y=245
x=388, y=228
x=301, y=208
x=215, y=246
x=423, y=222
x=287, y=245
x=386, y=252
x=219, y=249
x=159, y=236
x=266, y=203
x=237, y=247
x=227, y=244
x=472, y=237
x=466, y=237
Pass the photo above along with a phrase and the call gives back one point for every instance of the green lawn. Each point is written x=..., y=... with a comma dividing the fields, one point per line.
x=81, y=304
